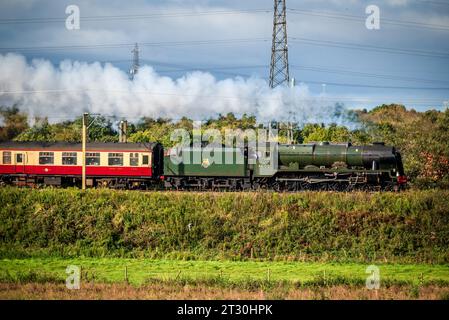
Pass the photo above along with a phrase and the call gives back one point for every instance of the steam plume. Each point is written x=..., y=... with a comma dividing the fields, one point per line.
x=68, y=90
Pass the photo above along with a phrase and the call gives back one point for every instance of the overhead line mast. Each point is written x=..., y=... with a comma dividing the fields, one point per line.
x=279, y=71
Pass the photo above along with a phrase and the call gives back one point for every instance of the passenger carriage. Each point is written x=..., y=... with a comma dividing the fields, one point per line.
x=129, y=165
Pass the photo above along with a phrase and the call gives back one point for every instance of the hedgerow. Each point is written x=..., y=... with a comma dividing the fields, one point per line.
x=412, y=226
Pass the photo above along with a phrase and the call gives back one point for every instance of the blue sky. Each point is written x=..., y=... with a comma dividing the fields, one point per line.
x=406, y=61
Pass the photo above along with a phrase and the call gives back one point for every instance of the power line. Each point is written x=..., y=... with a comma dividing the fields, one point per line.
x=233, y=74
x=219, y=69
x=215, y=69
x=433, y=2
x=317, y=68
x=203, y=68
x=133, y=16
x=175, y=68
x=337, y=15
x=365, y=74
x=366, y=47
x=360, y=99
x=326, y=43
x=59, y=91
x=129, y=45
x=330, y=99
x=356, y=85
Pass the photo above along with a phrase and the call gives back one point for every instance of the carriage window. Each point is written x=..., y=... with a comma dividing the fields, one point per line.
x=69, y=158
x=92, y=159
x=145, y=160
x=6, y=157
x=115, y=159
x=19, y=158
x=133, y=159
x=46, y=157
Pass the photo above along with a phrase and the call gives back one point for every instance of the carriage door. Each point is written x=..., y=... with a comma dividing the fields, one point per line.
x=20, y=162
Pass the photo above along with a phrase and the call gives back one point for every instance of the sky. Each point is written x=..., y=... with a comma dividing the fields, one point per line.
x=332, y=55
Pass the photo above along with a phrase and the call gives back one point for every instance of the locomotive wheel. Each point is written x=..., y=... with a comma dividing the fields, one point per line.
x=333, y=186
x=277, y=186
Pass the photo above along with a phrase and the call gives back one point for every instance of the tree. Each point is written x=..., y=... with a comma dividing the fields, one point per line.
x=158, y=132
x=100, y=130
x=13, y=122
x=422, y=138
x=40, y=131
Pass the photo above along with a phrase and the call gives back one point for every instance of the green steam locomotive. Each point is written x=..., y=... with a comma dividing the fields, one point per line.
x=286, y=167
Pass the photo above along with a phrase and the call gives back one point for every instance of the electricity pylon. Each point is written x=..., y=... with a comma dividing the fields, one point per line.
x=135, y=67
x=279, y=72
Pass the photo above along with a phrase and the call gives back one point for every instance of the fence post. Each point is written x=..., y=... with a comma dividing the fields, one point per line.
x=324, y=277
x=126, y=274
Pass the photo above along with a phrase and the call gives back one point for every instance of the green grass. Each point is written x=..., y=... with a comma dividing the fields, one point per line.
x=141, y=271
x=410, y=227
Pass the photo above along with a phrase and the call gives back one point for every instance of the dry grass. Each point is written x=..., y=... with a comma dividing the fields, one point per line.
x=122, y=291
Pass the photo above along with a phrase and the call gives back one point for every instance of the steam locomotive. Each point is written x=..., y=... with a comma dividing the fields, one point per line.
x=281, y=167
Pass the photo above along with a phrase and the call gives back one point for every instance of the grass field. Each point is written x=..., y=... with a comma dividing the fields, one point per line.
x=141, y=271
x=105, y=278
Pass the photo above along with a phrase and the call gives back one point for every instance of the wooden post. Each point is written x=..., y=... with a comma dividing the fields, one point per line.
x=126, y=274
x=324, y=276
x=83, y=161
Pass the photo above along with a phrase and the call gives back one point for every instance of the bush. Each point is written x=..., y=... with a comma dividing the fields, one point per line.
x=411, y=227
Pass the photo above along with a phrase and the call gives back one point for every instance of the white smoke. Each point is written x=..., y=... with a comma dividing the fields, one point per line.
x=68, y=90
